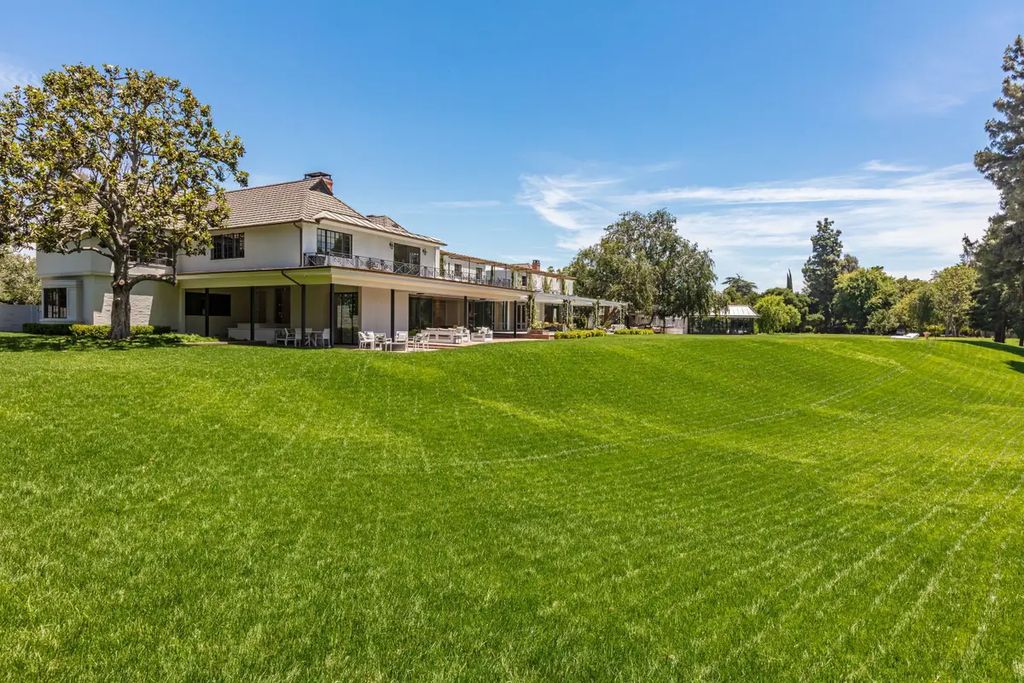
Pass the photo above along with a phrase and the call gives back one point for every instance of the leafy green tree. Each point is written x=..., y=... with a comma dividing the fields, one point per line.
x=642, y=260
x=999, y=255
x=776, y=315
x=19, y=283
x=123, y=163
x=953, y=294
x=739, y=290
x=862, y=292
x=801, y=302
x=915, y=309
x=823, y=268
x=848, y=264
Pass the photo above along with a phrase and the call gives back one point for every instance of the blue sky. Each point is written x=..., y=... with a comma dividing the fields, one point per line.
x=518, y=130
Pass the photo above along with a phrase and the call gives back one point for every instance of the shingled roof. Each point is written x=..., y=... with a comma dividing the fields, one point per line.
x=309, y=199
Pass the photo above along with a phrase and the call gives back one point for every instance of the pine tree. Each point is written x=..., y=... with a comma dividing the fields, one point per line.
x=823, y=268
x=999, y=255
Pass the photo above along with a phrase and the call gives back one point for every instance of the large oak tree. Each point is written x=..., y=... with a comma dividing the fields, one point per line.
x=119, y=162
x=642, y=259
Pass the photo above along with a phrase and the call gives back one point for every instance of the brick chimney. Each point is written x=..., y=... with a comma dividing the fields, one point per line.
x=535, y=265
x=326, y=177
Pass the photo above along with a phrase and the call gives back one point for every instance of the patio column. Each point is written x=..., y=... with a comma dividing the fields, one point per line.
x=392, y=314
x=252, y=314
x=302, y=317
x=206, y=312
x=515, y=319
x=465, y=311
x=331, y=310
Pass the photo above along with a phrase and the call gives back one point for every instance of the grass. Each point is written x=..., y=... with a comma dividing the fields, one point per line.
x=614, y=508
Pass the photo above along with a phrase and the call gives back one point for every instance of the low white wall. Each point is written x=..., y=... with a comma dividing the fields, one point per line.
x=152, y=303
x=13, y=316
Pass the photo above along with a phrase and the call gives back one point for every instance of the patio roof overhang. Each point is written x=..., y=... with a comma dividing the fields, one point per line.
x=552, y=298
x=325, y=275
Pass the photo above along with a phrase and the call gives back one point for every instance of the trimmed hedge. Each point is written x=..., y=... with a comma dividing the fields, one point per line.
x=635, y=330
x=103, y=331
x=89, y=331
x=50, y=329
x=579, y=334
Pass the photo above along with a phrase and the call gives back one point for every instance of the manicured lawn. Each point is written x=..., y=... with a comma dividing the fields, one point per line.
x=636, y=508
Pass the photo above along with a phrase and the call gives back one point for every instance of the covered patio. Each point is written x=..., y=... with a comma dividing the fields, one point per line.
x=334, y=304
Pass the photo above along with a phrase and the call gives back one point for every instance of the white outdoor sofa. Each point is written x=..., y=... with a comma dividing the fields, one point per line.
x=482, y=334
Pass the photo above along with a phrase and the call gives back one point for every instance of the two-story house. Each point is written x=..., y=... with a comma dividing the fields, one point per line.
x=294, y=255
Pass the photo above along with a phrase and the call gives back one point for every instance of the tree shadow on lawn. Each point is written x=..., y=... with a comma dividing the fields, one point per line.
x=31, y=342
x=1017, y=365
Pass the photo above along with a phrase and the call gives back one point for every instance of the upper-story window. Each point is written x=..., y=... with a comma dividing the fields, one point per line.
x=159, y=256
x=458, y=270
x=333, y=242
x=55, y=303
x=228, y=246
x=525, y=281
x=406, y=254
x=479, y=274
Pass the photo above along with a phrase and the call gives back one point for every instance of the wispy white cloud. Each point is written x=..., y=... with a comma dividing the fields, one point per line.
x=573, y=203
x=11, y=74
x=909, y=220
x=467, y=204
x=878, y=166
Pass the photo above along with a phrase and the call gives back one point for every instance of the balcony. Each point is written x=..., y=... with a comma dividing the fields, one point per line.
x=491, y=278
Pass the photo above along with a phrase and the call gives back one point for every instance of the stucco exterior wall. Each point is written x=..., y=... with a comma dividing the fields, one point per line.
x=375, y=310
x=270, y=246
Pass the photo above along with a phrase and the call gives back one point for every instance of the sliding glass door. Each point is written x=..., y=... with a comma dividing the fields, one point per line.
x=347, y=314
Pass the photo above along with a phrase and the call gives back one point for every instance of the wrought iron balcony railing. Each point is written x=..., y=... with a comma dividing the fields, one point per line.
x=314, y=259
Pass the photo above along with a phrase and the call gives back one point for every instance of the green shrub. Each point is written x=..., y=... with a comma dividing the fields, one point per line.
x=579, y=334
x=90, y=331
x=51, y=329
x=635, y=330
x=935, y=330
x=103, y=331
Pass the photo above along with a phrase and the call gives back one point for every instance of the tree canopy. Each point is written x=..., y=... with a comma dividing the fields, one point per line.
x=642, y=259
x=862, y=292
x=823, y=267
x=120, y=162
x=776, y=315
x=739, y=290
x=19, y=283
x=953, y=296
x=999, y=255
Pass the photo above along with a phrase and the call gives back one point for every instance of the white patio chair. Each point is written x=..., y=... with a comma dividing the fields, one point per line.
x=482, y=334
x=322, y=338
x=419, y=342
x=367, y=340
x=283, y=336
x=401, y=339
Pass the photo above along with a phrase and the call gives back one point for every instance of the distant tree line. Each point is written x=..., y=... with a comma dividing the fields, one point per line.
x=641, y=259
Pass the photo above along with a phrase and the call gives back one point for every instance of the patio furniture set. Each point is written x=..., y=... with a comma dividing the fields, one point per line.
x=422, y=340
x=312, y=338
x=375, y=341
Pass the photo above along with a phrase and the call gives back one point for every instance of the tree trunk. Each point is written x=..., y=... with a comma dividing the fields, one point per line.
x=121, y=311
x=999, y=333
